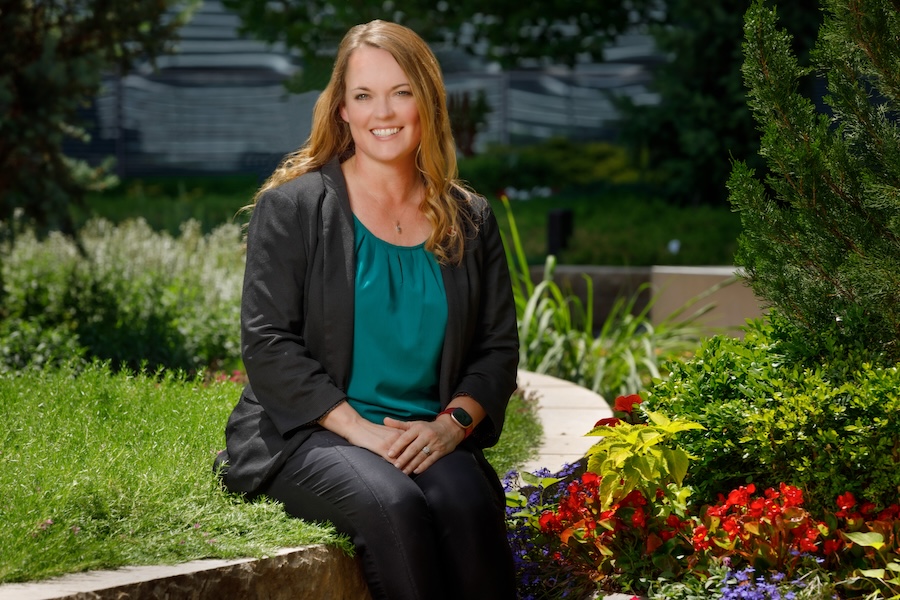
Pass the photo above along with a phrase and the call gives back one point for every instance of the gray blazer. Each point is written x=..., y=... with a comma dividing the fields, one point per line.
x=297, y=324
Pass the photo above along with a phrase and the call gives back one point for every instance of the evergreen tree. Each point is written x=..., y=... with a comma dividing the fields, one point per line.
x=821, y=233
x=53, y=54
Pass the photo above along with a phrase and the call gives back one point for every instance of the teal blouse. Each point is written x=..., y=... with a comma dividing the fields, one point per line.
x=400, y=316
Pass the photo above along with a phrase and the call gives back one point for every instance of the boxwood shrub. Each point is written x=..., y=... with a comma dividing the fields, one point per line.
x=772, y=414
x=126, y=294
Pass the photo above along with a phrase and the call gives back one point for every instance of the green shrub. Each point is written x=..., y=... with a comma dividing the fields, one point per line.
x=827, y=428
x=29, y=344
x=555, y=164
x=137, y=298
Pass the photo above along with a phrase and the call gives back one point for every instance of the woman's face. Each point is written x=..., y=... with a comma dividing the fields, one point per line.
x=380, y=108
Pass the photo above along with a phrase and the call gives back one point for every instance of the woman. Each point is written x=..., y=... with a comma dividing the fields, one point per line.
x=379, y=333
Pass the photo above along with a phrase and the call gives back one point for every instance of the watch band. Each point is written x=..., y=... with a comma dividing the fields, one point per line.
x=449, y=411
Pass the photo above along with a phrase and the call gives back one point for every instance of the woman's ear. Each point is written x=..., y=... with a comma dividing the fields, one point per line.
x=342, y=110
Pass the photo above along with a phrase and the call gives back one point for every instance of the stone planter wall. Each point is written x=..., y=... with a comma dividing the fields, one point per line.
x=319, y=572
x=672, y=287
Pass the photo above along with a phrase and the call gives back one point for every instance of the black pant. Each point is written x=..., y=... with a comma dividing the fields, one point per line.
x=437, y=535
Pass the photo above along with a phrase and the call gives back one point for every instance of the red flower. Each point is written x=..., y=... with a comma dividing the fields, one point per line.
x=793, y=496
x=626, y=403
x=673, y=521
x=549, y=522
x=731, y=526
x=846, y=501
x=832, y=546
x=890, y=513
x=807, y=539
x=699, y=538
x=634, y=498
x=590, y=478
x=639, y=519
x=867, y=508
x=756, y=507
x=608, y=422
x=740, y=496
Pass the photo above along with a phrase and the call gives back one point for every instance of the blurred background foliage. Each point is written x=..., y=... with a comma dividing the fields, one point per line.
x=655, y=196
x=676, y=152
x=52, y=59
x=702, y=123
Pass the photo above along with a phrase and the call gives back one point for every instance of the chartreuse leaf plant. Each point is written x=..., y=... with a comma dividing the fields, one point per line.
x=640, y=456
x=625, y=519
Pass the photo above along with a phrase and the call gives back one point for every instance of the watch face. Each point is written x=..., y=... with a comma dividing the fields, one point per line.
x=462, y=417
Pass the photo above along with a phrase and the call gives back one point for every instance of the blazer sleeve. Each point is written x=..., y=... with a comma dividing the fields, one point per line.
x=492, y=357
x=292, y=386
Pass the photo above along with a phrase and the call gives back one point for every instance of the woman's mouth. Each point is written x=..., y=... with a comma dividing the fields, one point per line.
x=385, y=132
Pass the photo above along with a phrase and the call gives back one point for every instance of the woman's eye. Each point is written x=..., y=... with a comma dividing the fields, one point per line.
x=362, y=96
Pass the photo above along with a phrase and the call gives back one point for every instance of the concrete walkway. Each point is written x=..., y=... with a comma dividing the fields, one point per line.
x=566, y=412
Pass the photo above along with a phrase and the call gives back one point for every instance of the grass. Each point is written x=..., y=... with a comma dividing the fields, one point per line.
x=101, y=470
x=521, y=436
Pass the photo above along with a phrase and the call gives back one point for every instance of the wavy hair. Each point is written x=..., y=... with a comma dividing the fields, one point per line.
x=445, y=194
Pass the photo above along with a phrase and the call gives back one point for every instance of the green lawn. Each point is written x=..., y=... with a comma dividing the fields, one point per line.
x=100, y=470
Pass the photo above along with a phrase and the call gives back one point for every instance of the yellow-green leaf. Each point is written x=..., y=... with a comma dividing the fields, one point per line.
x=869, y=539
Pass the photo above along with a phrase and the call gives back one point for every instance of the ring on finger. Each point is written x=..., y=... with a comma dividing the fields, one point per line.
x=426, y=450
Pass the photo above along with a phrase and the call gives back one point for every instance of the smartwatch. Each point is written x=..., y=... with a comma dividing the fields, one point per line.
x=460, y=417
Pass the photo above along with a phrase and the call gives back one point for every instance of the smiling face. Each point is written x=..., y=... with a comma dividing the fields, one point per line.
x=380, y=108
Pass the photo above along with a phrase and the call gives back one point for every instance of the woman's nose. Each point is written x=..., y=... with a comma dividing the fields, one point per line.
x=384, y=107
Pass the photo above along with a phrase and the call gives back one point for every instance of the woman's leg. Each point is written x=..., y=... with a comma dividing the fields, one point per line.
x=373, y=502
x=468, y=507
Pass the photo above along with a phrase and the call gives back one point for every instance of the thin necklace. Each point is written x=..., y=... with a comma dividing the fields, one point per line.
x=397, y=224
x=397, y=220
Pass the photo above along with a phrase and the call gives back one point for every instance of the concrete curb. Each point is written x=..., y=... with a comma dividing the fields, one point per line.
x=567, y=413
x=318, y=571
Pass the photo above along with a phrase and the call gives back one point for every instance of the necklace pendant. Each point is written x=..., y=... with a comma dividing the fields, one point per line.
x=399, y=229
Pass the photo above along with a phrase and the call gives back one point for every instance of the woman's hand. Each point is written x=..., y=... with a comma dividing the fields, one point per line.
x=421, y=443
x=347, y=423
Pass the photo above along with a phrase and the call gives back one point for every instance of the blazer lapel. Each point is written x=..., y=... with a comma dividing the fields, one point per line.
x=339, y=271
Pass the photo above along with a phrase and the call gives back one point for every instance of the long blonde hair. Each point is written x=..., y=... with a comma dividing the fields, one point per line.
x=436, y=155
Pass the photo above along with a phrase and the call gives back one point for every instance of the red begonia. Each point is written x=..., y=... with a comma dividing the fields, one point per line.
x=626, y=403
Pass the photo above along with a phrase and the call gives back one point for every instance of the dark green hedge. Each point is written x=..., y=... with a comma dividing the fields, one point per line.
x=828, y=425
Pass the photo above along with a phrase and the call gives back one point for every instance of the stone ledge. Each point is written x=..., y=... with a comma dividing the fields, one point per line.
x=317, y=571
